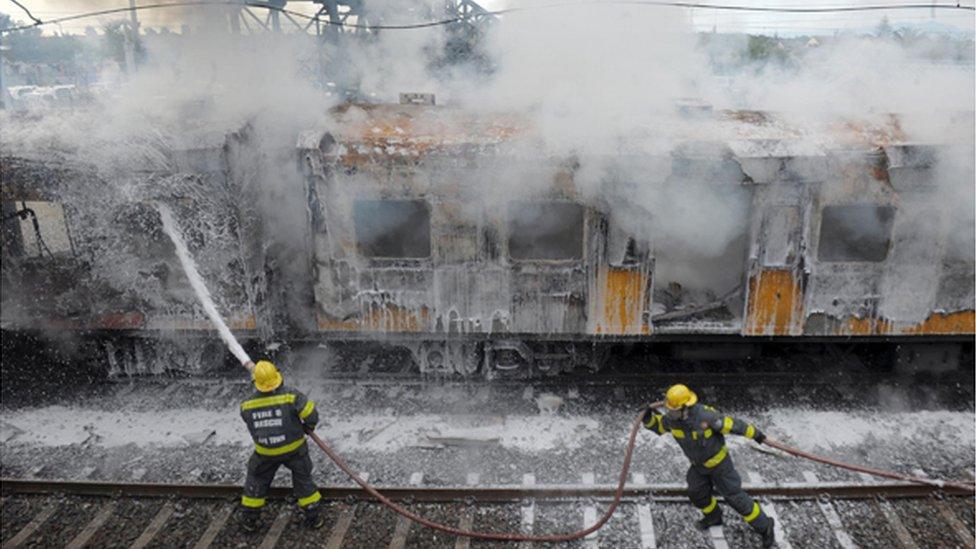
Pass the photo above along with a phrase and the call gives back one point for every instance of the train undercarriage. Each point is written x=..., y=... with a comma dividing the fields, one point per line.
x=120, y=356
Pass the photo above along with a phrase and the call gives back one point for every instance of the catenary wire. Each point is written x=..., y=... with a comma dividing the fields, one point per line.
x=459, y=19
x=28, y=12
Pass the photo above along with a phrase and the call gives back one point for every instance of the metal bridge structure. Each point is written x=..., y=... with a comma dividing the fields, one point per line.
x=337, y=24
x=338, y=17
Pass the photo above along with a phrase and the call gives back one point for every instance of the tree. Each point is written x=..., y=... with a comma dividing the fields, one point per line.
x=114, y=37
x=31, y=46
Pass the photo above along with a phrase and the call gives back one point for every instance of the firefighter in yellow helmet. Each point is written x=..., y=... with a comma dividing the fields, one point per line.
x=277, y=416
x=700, y=432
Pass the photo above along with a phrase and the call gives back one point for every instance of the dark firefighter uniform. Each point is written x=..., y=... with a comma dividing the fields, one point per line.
x=276, y=416
x=700, y=432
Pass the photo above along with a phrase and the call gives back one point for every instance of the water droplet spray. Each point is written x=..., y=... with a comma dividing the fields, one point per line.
x=196, y=281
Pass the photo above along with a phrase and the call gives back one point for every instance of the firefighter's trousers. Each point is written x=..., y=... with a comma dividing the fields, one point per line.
x=261, y=471
x=703, y=482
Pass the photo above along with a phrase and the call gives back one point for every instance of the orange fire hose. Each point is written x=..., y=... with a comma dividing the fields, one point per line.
x=628, y=454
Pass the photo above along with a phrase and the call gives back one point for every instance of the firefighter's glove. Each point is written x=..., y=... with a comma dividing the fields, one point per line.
x=760, y=437
x=648, y=414
x=309, y=428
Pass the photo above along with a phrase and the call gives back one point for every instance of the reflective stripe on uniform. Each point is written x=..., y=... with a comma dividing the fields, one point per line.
x=756, y=511
x=306, y=501
x=727, y=425
x=307, y=410
x=717, y=458
x=253, y=503
x=278, y=450
x=750, y=431
x=708, y=433
x=660, y=425
x=678, y=433
x=264, y=402
x=710, y=507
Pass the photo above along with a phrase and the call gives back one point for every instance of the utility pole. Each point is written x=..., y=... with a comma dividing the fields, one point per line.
x=131, y=38
x=3, y=88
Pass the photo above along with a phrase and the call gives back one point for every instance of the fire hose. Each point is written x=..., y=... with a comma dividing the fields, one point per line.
x=497, y=536
x=869, y=470
x=618, y=494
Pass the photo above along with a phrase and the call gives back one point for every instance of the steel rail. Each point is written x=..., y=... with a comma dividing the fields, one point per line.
x=496, y=493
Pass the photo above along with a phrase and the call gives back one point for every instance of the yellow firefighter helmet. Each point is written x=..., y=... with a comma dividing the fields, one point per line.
x=267, y=378
x=680, y=396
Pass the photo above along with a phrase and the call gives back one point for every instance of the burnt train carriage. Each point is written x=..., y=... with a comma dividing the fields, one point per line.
x=84, y=253
x=447, y=235
x=417, y=236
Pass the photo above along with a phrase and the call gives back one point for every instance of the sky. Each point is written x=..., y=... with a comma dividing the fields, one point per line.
x=702, y=19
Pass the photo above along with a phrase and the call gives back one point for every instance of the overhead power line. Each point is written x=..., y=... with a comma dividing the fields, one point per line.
x=28, y=12
x=452, y=20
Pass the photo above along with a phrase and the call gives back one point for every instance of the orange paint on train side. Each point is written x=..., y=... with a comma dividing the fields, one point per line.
x=957, y=323
x=960, y=322
x=380, y=318
x=331, y=325
x=864, y=326
x=775, y=299
x=623, y=302
x=246, y=323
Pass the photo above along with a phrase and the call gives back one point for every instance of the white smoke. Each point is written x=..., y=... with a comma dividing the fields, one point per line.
x=596, y=86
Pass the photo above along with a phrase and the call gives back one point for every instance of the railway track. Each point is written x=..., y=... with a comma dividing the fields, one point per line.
x=813, y=514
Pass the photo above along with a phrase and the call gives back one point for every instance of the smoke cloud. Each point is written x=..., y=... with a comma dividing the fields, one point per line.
x=599, y=88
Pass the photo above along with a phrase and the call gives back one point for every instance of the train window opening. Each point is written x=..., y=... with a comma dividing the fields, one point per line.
x=961, y=238
x=780, y=230
x=36, y=228
x=397, y=229
x=545, y=230
x=859, y=232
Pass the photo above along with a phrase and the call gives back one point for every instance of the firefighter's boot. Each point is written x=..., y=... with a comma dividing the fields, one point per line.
x=250, y=520
x=712, y=519
x=768, y=535
x=313, y=517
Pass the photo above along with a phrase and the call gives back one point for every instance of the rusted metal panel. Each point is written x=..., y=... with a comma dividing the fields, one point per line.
x=623, y=295
x=775, y=303
x=405, y=134
x=957, y=323
x=235, y=321
x=864, y=326
x=387, y=317
x=120, y=321
x=961, y=322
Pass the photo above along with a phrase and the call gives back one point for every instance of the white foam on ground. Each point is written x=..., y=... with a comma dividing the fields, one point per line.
x=825, y=430
x=814, y=430
x=63, y=426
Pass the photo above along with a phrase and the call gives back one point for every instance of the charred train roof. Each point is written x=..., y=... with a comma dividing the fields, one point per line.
x=382, y=134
